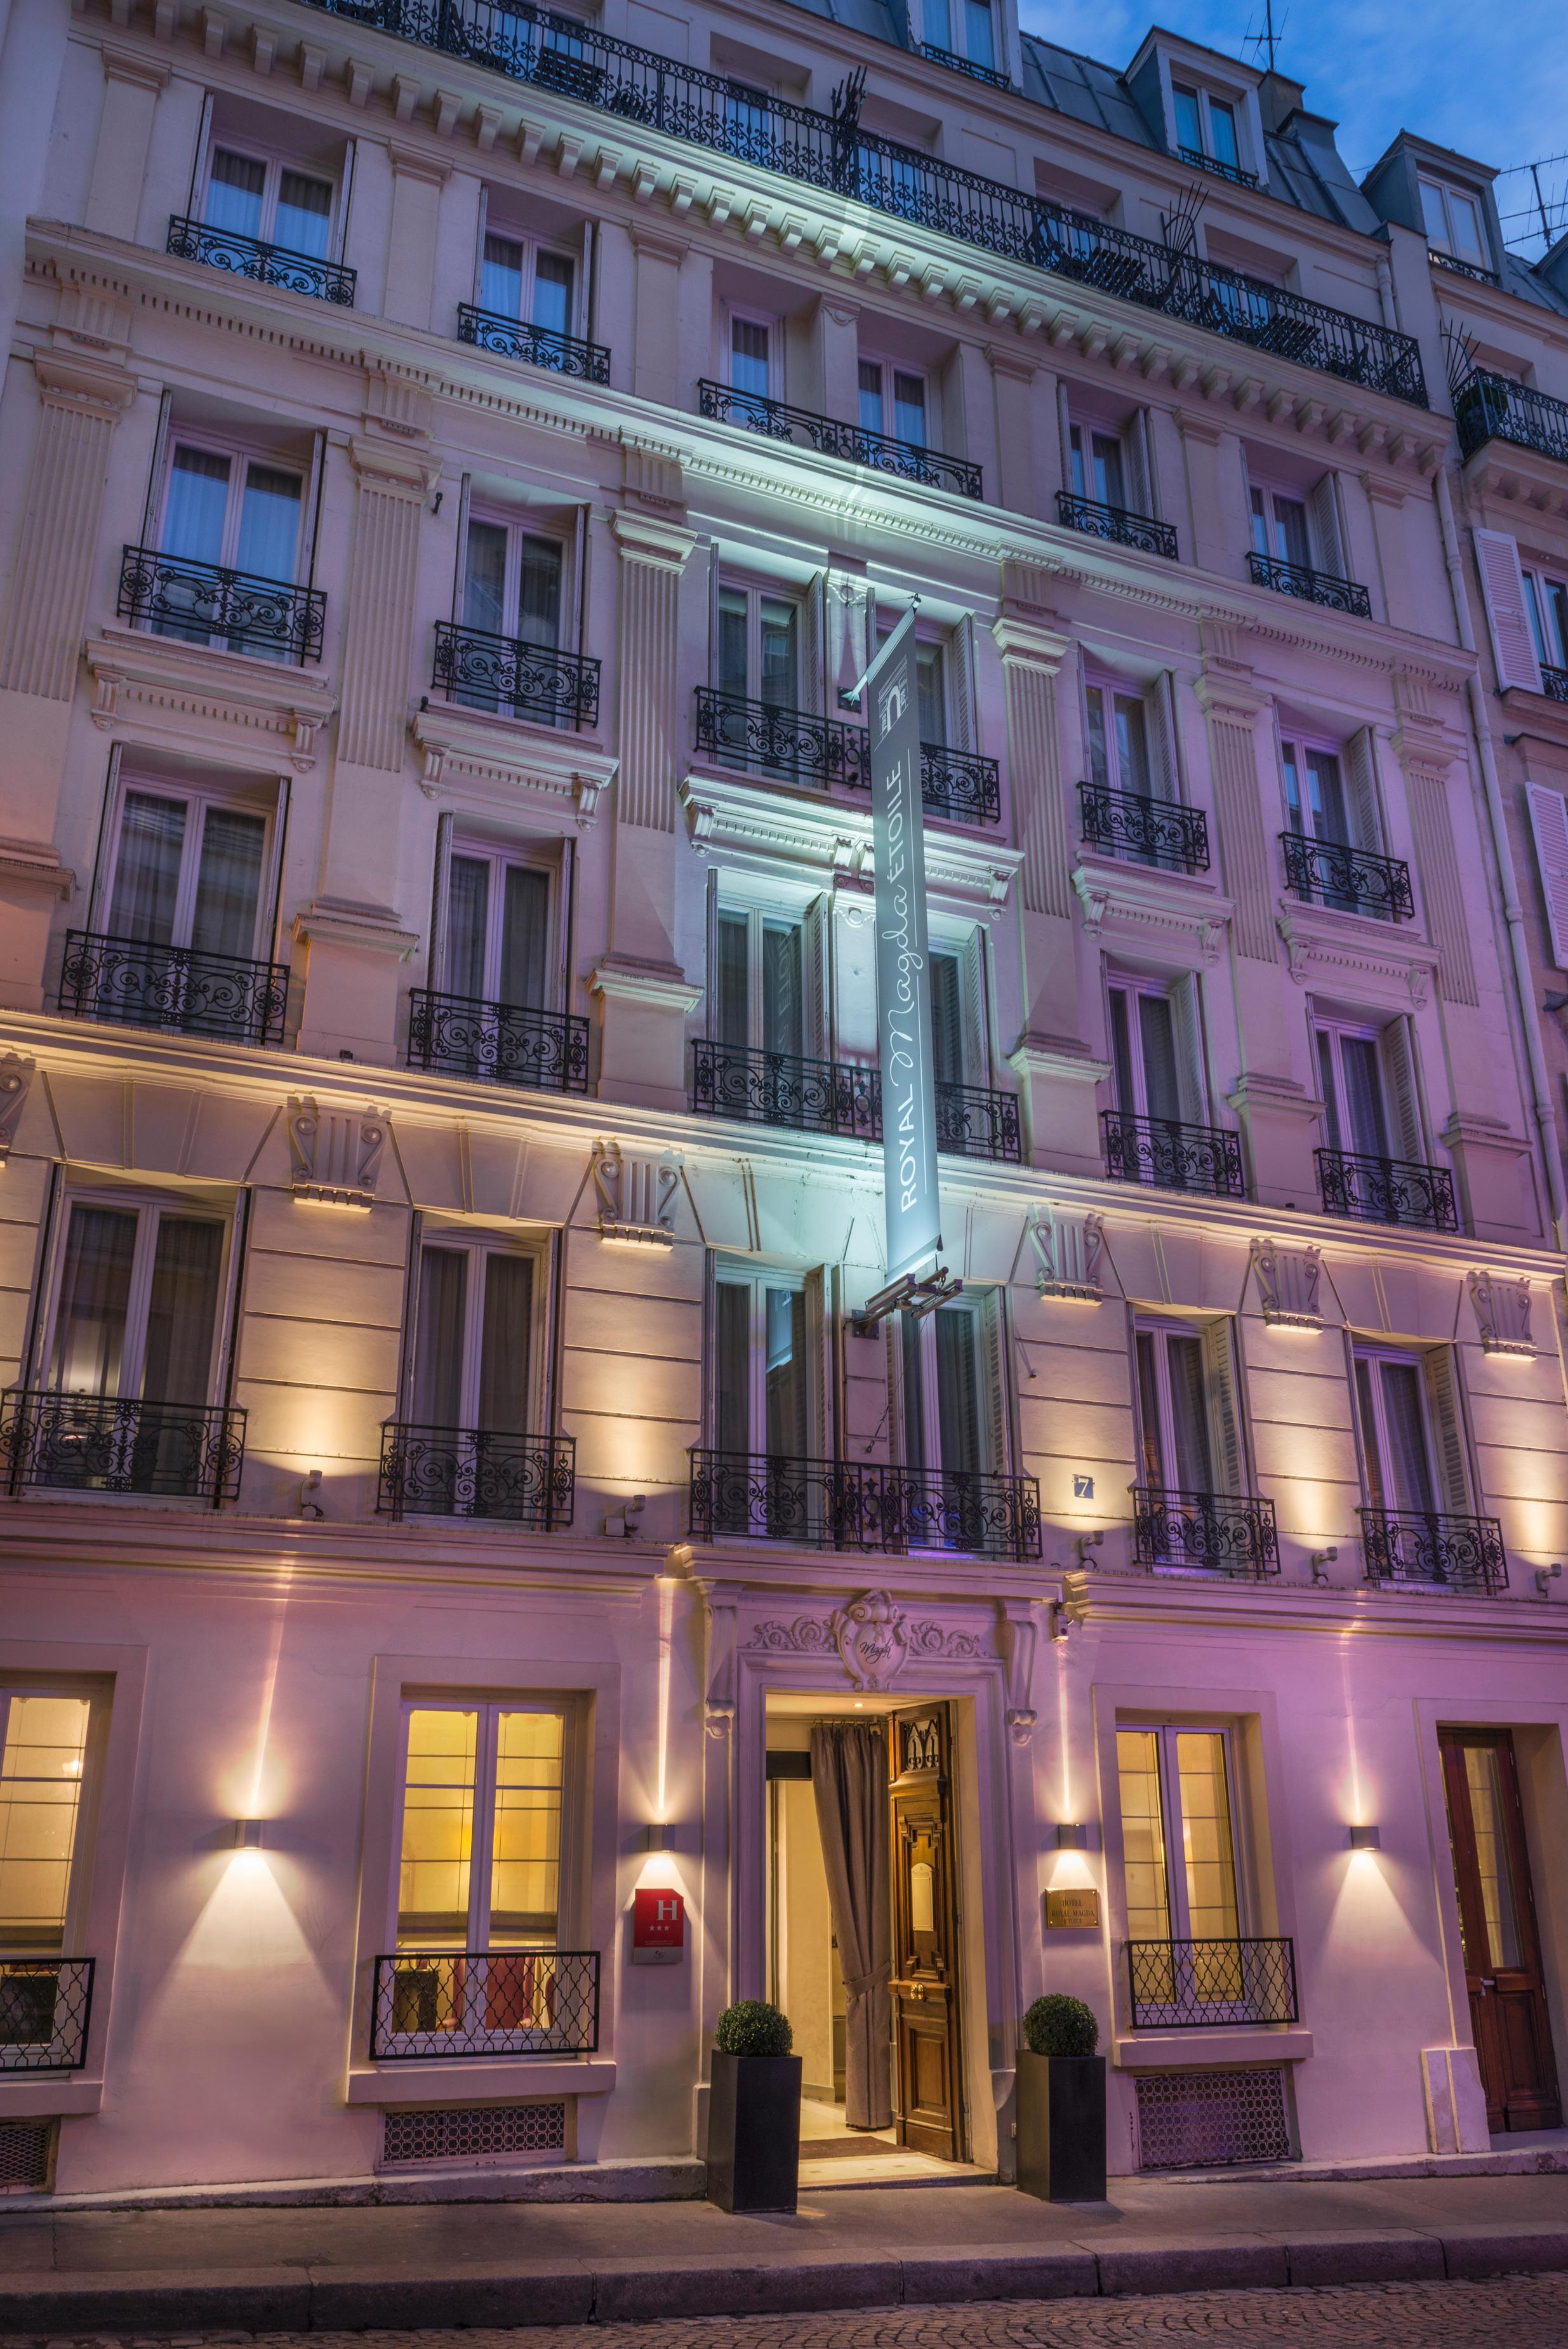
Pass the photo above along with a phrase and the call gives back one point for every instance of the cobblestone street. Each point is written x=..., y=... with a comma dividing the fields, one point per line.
x=1503, y=2312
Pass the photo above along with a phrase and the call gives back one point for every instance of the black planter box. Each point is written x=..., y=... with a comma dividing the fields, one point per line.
x=754, y=2132
x=1060, y=2108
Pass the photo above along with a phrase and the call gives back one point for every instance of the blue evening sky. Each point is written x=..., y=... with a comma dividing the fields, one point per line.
x=1491, y=81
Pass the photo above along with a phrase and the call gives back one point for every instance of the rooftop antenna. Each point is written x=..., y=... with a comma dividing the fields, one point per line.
x=1267, y=42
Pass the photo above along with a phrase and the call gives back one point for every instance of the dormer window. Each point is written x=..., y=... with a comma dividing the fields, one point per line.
x=964, y=30
x=1206, y=132
x=1453, y=224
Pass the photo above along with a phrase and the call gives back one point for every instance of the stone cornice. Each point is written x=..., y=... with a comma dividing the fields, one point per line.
x=469, y=754
x=160, y=690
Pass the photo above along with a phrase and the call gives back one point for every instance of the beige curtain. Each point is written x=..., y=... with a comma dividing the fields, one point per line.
x=849, y=1775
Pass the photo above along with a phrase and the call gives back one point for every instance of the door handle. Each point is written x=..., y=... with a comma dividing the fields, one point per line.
x=1489, y=1981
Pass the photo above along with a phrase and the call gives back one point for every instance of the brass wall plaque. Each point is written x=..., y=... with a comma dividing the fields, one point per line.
x=1075, y=1907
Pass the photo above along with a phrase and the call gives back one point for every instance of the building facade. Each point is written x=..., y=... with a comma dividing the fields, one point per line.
x=456, y=1506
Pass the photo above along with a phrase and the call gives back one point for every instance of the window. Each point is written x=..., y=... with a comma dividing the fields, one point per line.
x=1205, y=126
x=1098, y=469
x=1156, y=1053
x=1546, y=607
x=480, y=1844
x=1315, y=794
x=250, y=195
x=1452, y=222
x=512, y=583
x=950, y=1391
x=1412, y=1447
x=760, y=999
x=520, y=280
x=1179, y=1836
x=42, y=1759
x=187, y=871
x=496, y=944
x=1188, y=1427
x=136, y=1309
x=764, y=1392
x=1117, y=737
x=893, y=401
x=750, y=356
x=227, y=508
x=759, y=634
x=1303, y=530
x=473, y=1330
x=1369, y=1091
x=946, y=23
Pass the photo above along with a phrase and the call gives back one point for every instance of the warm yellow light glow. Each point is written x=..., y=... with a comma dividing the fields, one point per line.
x=661, y=1872
x=666, y=1588
x=1066, y=1811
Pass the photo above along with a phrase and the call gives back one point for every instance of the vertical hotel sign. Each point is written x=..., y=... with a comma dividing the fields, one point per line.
x=902, y=962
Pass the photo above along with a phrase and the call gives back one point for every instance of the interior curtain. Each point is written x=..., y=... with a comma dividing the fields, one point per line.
x=147, y=871
x=503, y=1344
x=228, y=884
x=95, y=1291
x=438, y=1343
x=848, y=1775
x=182, y=1311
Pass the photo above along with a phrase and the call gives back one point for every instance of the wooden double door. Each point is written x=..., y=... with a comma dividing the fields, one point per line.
x=1509, y=2019
x=928, y=2077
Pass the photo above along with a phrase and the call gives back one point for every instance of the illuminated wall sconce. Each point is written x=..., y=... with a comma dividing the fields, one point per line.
x=1072, y=1837
x=1318, y=1559
x=1545, y=1575
x=1366, y=1839
x=248, y=1834
x=658, y=1835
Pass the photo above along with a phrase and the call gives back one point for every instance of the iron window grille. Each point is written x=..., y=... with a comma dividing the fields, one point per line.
x=960, y=786
x=1353, y=880
x=497, y=1043
x=1231, y=172
x=1206, y=1984
x=1172, y=1157
x=831, y=152
x=789, y=742
x=1220, y=1533
x=202, y=601
x=762, y=1088
x=1442, y=1550
x=509, y=673
x=1386, y=1191
x=777, y=420
x=471, y=2003
x=527, y=1481
x=268, y=264
x=118, y=1443
x=1128, y=823
x=940, y=57
x=1310, y=586
x=845, y=1504
x=541, y=346
x=1488, y=407
x=177, y=987
x=1464, y=268
x=1118, y=523
x=46, y=2004
x=1554, y=683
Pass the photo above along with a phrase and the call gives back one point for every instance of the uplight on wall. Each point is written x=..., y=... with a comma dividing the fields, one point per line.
x=1366, y=1839
x=248, y=1834
x=1072, y=1836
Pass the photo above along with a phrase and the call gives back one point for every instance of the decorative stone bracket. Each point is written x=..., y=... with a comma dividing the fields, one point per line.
x=15, y=1078
x=1066, y=1250
x=335, y=1156
x=1288, y=1282
x=637, y=1195
x=1501, y=1309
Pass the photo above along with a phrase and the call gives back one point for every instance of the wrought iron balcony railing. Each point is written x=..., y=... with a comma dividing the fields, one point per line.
x=1554, y=683
x=471, y=1472
x=268, y=264
x=519, y=679
x=1194, y=1985
x=1488, y=407
x=208, y=603
x=541, y=346
x=862, y=1504
x=885, y=451
x=1172, y=1157
x=1154, y=831
x=1309, y=587
x=1116, y=522
x=763, y=1088
x=1222, y=1533
x=1451, y=1553
x=1352, y=880
x=117, y=1444
x=497, y=1043
x=959, y=785
x=940, y=57
x=44, y=2007
x=1464, y=268
x=1220, y=170
x=831, y=152
x=779, y=742
x=451, y=2004
x=174, y=988
x=1386, y=1191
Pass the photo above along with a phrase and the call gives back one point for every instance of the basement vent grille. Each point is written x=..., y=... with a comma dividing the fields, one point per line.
x=27, y=2155
x=473, y=2133
x=1206, y=2121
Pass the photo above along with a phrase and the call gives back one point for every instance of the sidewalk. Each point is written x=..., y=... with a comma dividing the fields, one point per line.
x=536, y=2264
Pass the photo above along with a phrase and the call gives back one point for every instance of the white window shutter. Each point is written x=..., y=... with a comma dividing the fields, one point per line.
x=1502, y=585
x=1404, y=1114
x=1159, y=723
x=1549, y=823
x=1186, y=1021
x=994, y=1413
x=1361, y=776
x=1328, y=542
x=1447, y=1429
x=961, y=696
x=1220, y=1395
x=814, y=644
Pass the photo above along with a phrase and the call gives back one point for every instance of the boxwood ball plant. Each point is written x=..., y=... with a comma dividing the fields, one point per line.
x=752, y=2027
x=1059, y=2025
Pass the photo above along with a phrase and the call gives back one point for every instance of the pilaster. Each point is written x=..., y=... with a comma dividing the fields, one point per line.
x=417, y=182
x=81, y=401
x=132, y=84
x=1427, y=752
x=1231, y=705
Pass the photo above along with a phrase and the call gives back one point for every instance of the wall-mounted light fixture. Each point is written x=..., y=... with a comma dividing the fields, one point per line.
x=1318, y=1559
x=1072, y=1836
x=1545, y=1575
x=658, y=1835
x=1366, y=1839
x=248, y=1834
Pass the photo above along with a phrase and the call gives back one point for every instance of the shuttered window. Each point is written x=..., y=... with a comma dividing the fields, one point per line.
x=1507, y=613
x=1549, y=826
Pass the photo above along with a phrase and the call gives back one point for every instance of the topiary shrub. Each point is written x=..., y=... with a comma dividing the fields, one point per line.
x=754, y=2028
x=1059, y=2025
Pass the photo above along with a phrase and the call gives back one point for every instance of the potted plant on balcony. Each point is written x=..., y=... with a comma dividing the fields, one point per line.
x=1060, y=2103
x=754, y=2111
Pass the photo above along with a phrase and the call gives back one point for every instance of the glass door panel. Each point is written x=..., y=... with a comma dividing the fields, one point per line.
x=95, y=1301
x=146, y=893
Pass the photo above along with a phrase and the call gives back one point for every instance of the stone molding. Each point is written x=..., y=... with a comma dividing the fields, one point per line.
x=662, y=987
x=16, y=1074
x=335, y=1155
x=1396, y=967
x=1138, y=897
x=637, y=1193
x=340, y=922
x=33, y=868
x=176, y=693
x=564, y=776
x=1067, y=1252
x=1288, y=1281
x=1502, y=1311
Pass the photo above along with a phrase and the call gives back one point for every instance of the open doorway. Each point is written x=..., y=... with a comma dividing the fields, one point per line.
x=863, y=1931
